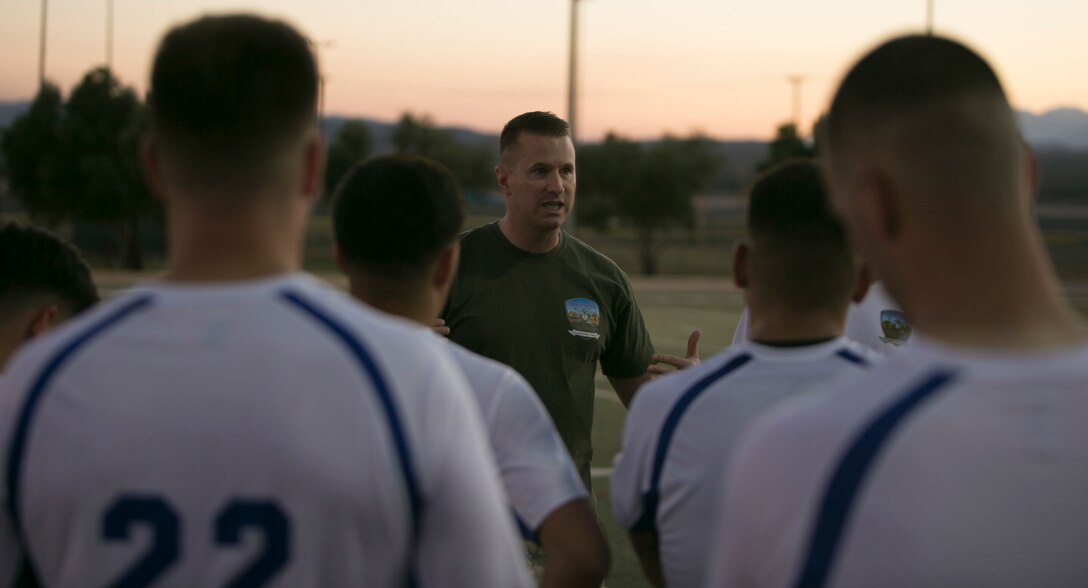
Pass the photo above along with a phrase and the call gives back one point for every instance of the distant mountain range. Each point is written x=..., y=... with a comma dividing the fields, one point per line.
x=1058, y=128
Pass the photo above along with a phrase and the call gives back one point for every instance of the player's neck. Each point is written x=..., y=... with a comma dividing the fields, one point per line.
x=211, y=248
x=997, y=293
x=528, y=239
x=776, y=326
x=406, y=302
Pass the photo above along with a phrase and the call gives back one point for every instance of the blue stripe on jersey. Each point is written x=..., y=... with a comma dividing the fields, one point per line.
x=841, y=493
x=527, y=532
x=33, y=398
x=648, y=520
x=400, y=440
x=852, y=357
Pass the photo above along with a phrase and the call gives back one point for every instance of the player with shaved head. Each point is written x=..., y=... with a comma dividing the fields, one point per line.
x=239, y=423
x=798, y=273
x=963, y=460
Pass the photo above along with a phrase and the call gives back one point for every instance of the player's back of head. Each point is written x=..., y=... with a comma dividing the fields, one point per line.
x=394, y=215
x=934, y=112
x=39, y=267
x=228, y=96
x=800, y=256
x=536, y=122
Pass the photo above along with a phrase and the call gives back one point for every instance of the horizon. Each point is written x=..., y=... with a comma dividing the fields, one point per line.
x=646, y=69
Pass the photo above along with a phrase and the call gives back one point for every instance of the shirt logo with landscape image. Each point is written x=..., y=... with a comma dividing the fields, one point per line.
x=897, y=329
x=585, y=318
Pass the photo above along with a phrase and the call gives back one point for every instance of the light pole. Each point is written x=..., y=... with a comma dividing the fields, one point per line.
x=572, y=80
x=796, y=81
x=109, y=36
x=929, y=17
x=41, y=47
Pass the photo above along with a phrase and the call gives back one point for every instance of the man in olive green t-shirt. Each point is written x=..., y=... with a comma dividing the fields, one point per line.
x=541, y=301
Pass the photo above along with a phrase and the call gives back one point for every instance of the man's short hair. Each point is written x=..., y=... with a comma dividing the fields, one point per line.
x=801, y=255
x=227, y=94
x=936, y=108
x=533, y=123
x=39, y=267
x=393, y=216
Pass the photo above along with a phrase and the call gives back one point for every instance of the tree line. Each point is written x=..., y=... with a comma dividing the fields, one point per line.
x=76, y=160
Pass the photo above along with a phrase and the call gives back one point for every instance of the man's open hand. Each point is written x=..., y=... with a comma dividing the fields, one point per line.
x=664, y=363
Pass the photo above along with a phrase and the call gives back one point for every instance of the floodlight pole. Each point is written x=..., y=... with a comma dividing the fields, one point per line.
x=572, y=81
x=929, y=17
x=41, y=47
x=796, y=81
x=109, y=35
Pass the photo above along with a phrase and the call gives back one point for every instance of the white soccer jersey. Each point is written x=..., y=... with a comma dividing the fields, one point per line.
x=682, y=430
x=942, y=467
x=268, y=433
x=537, y=472
x=876, y=322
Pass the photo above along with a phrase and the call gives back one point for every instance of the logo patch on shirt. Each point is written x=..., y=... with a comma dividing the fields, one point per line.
x=584, y=317
x=896, y=327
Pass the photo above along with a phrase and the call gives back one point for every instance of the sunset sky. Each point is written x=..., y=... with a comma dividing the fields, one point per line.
x=718, y=66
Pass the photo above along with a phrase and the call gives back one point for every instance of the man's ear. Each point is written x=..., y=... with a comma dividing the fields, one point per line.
x=149, y=163
x=861, y=288
x=339, y=259
x=881, y=206
x=313, y=170
x=1032, y=164
x=43, y=319
x=503, y=179
x=740, y=264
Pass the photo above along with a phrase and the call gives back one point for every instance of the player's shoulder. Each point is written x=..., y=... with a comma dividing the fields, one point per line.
x=483, y=372
x=816, y=425
x=655, y=399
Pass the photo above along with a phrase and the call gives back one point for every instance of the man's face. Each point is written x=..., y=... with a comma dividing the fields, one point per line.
x=537, y=178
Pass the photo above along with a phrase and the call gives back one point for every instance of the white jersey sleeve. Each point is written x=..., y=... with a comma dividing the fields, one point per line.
x=537, y=472
x=633, y=465
x=536, y=469
x=465, y=501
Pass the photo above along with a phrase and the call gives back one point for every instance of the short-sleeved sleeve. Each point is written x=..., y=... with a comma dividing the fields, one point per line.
x=629, y=347
x=467, y=537
x=536, y=469
x=633, y=464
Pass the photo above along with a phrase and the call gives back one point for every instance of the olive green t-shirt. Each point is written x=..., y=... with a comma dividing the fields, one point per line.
x=551, y=316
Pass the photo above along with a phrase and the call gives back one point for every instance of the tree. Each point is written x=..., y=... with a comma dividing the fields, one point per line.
x=80, y=162
x=33, y=152
x=786, y=145
x=650, y=187
x=418, y=135
x=351, y=145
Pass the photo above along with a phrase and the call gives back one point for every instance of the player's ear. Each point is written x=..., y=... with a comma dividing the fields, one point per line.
x=150, y=165
x=339, y=259
x=1032, y=169
x=740, y=264
x=861, y=288
x=881, y=205
x=42, y=320
x=313, y=170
